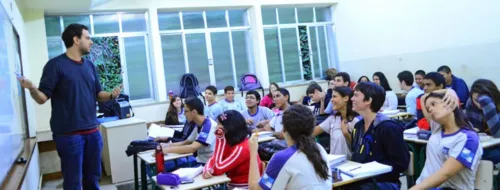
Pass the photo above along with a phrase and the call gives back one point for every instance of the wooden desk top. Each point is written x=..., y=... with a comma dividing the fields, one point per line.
x=199, y=183
x=148, y=157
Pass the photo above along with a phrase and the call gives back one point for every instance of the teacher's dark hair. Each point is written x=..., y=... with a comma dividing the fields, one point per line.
x=235, y=127
x=299, y=123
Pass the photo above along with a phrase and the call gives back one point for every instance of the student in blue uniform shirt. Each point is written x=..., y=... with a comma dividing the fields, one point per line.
x=213, y=109
x=256, y=116
x=229, y=103
x=377, y=138
x=455, y=83
x=317, y=97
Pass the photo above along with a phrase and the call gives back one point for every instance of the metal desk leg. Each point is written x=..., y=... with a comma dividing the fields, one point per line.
x=144, y=179
x=136, y=175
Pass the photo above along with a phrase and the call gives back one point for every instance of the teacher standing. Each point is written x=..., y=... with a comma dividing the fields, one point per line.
x=72, y=84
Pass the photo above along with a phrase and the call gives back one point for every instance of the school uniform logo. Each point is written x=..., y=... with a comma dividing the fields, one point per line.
x=268, y=181
x=445, y=150
x=203, y=135
x=467, y=155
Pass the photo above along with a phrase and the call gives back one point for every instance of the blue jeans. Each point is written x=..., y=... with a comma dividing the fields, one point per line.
x=80, y=160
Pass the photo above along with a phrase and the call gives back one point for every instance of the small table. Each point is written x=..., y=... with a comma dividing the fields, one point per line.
x=348, y=180
x=147, y=158
x=199, y=183
x=266, y=139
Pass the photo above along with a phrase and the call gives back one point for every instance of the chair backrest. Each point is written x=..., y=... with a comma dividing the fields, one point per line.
x=410, y=171
x=484, y=176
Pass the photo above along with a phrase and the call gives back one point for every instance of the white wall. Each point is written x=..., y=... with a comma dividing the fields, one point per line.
x=391, y=36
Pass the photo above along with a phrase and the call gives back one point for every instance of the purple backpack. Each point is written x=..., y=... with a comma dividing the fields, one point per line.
x=250, y=82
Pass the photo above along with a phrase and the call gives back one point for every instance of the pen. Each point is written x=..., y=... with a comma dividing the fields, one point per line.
x=354, y=168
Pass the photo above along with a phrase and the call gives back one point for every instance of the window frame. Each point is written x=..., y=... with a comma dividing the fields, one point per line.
x=329, y=40
x=121, y=39
x=208, y=41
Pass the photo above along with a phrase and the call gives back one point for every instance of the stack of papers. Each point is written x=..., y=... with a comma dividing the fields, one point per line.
x=335, y=160
x=157, y=131
x=367, y=169
x=412, y=131
x=265, y=134
x=188, y=174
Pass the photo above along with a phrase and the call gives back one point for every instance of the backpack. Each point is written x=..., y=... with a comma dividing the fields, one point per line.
x=266, y=150
x=119, y=107
x=190, y=86
x=250, y=82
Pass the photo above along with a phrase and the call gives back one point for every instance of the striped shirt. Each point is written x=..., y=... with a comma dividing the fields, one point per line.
x=487, y=116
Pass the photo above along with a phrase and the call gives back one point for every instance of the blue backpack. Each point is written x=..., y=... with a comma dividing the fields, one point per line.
x=189, y=86
x=250, y=82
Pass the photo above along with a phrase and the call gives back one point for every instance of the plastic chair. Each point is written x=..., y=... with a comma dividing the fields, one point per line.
x=484, y=176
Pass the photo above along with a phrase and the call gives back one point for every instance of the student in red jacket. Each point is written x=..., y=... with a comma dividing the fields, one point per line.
x=232, y=154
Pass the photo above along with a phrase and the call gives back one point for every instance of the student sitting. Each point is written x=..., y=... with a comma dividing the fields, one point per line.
x=363, y=79
x=213, y=109
x=419, y=79
x=329, y=91
x=483, y=110
x=341, y=79
x=175, y=113
x=340, y=124
x=317, y=96
x=282, y=101
x=229, y=102
x=202, y=139
x=256, y=116
x=391, y=100
x=377, y=138
x=232, y=153
x=453, y=150
x=267, y=100
x=432, y=81
x=303, y=165
x=455, y=83
x=406, y=83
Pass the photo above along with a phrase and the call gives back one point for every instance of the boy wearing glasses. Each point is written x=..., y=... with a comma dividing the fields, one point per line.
x=256, y=116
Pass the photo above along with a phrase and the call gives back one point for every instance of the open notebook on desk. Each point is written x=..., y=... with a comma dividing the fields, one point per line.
x=157, y=131
x=367, y=169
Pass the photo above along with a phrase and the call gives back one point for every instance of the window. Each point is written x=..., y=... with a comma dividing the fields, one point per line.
x=120, y=50
x=298, y=41
x=214, y=45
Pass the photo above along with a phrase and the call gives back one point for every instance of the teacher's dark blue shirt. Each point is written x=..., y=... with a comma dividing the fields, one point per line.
x=72, y=87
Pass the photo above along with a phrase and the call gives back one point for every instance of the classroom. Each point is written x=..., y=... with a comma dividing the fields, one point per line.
x=159, y=69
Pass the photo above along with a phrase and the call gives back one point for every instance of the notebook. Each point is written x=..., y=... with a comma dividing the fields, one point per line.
x=265, y=134
x=188, y=174
x=335, y=160
x=412, y=131
x=367, y=169
x=157, y=131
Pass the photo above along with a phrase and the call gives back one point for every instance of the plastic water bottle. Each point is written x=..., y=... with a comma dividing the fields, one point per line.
x=160, y=165
x=170, y=94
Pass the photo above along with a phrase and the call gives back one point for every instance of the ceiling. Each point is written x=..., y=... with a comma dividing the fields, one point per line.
x=61, y=6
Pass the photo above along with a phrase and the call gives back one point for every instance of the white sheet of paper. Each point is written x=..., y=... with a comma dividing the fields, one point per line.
x=157, y=131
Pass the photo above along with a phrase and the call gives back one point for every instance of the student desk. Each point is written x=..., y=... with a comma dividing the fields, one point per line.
x=418, y=146
x=147, y=158
x=266, y=139
x=348, y=180
x=199, y=183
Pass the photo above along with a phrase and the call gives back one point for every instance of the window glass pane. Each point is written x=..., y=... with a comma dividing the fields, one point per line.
x=137, y=67
x=268, y=16
x=322, y=47
x=173, y=61
x=169, y=21
x=323, y=14
x=241, y=42
x=53, y=26
x=193, y=20
x=222, y=59
x=216, y=19
x=314, y=52
x=273, y=55
x=197, y=58
x=238, y=18
x=134, y=22
x=55, y=48
x=85, y=20
x=287, y=15
x=290, y=54
x=305, y=14
x=106, y=24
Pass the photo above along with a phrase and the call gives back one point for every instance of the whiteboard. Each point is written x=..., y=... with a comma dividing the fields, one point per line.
x=11, y=111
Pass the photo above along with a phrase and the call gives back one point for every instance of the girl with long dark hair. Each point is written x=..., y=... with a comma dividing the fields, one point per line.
x=231, y=154
x=391, y=100
x=303, y=165
x=363, y=79
x=175, y=113
x=340, y=124
x=483, y=110
x=453, y=150
x=267, y=100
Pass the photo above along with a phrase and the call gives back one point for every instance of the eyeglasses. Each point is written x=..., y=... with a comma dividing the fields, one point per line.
x=250, y=98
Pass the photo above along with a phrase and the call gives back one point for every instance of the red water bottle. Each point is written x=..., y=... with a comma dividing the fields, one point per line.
x=160, y=165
